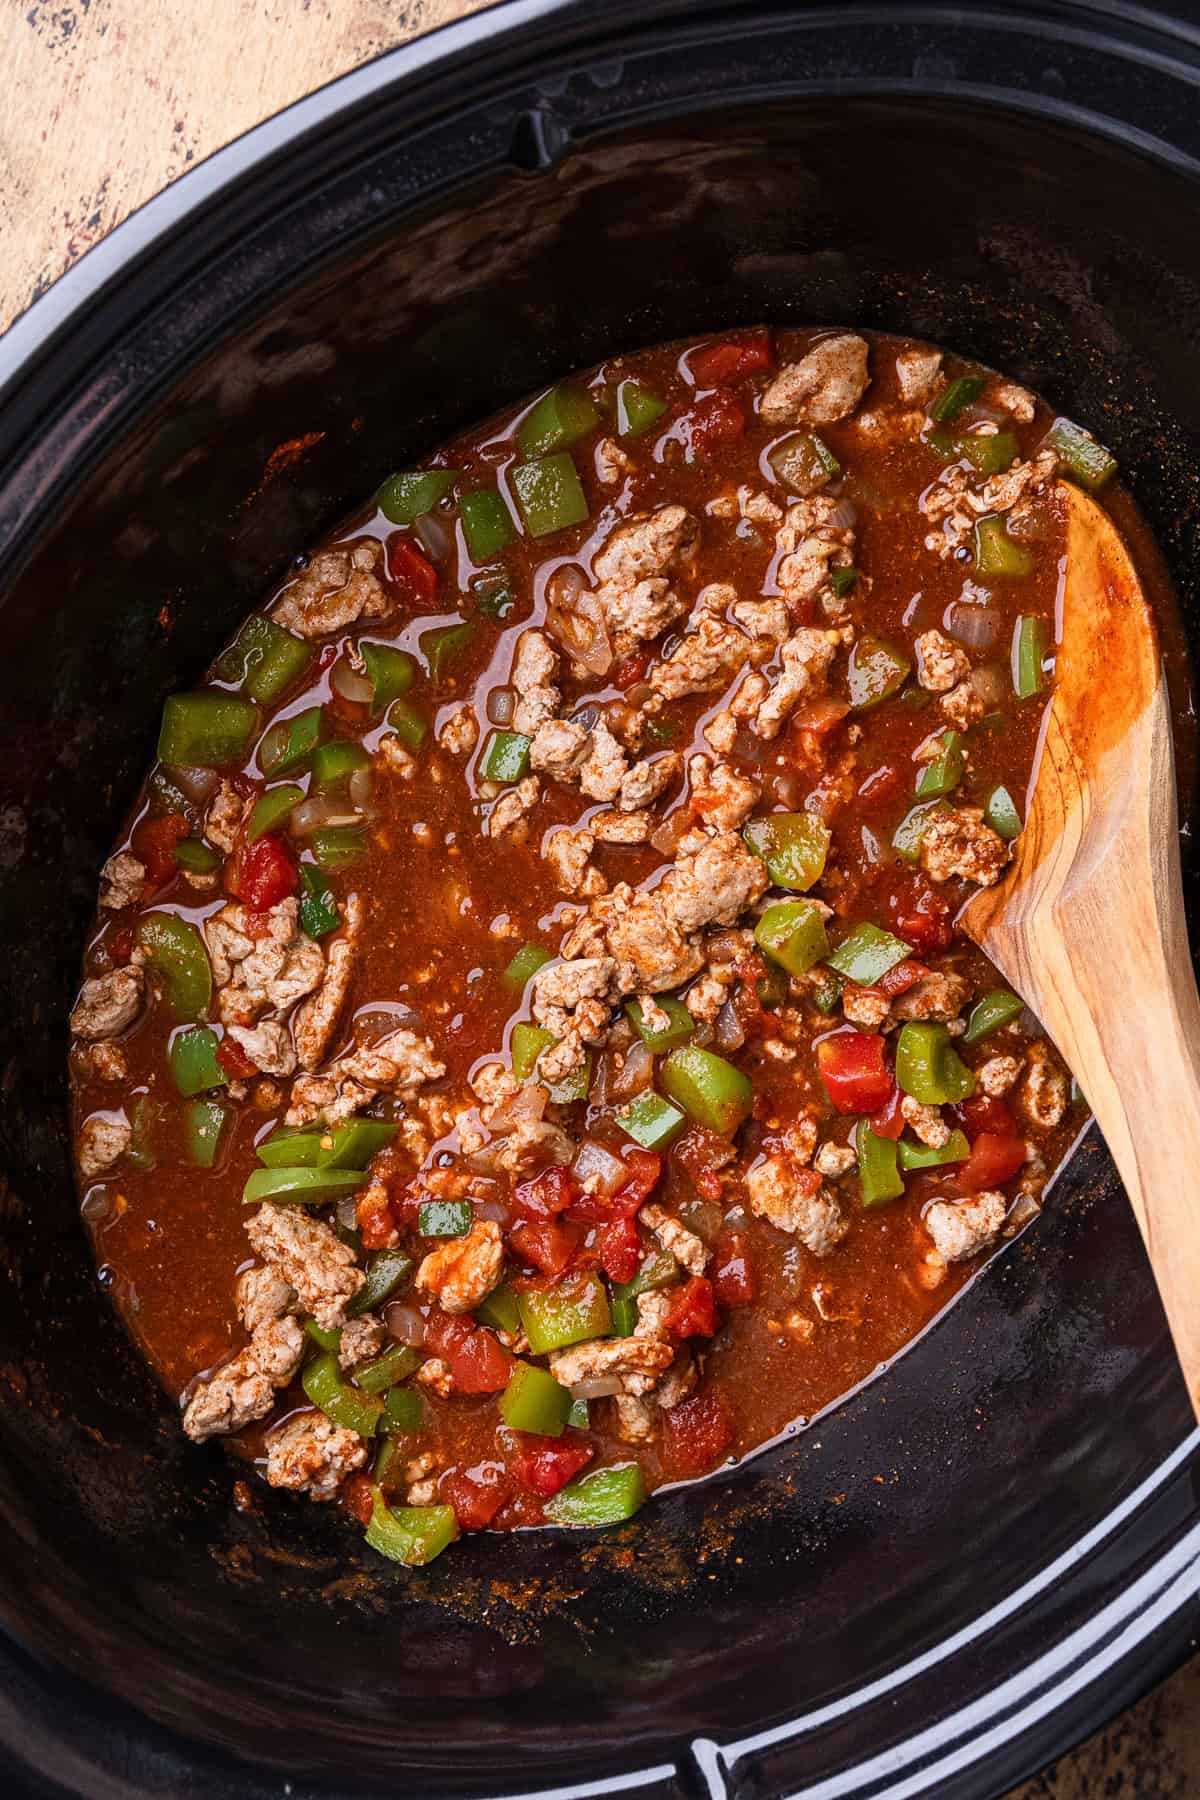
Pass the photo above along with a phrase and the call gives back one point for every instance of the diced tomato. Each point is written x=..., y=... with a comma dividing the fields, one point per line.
x=119, y=941
x=410, y=570
x=696, y=1433
x=546, y=1464
x=880, y=784
x=645, y=1168
x=713, y=421
x=819, y=715
x=983, y=1113
x=478, y=1363
x=852, y=1066
x=375, y=1218
x=356, y=1496
x=631, y=668
x=154, y=842
x=620, y=1249
x=888, y=1122
x=918, y=913
x=234, y=1061
x=544, y=1243
x=547, y=1194
x=733, y=1278
x=700, y=1153
x=716, y=363
x=262, y=874
x=748, y=1008
x=693, y=1311
x=475, y=1494
x=994, y=1159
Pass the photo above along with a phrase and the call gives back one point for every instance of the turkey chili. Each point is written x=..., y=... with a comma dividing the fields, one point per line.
x=526, y=1054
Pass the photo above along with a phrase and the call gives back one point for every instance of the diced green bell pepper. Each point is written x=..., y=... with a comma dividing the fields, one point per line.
x=1080, y=454
x=306, y=1186
x=206, y=730
x=325, y=1337
x=570, y=1312
x=659, y=1270
x=204, y=1121
x=408, y=725
x=197, y=857
x=559, y=419
x=323, y=1384
x=579, y=1418
x=804, y=463
x=924, y=1156
x=534, y=1401
x=602, y=1497
x=792, y=933
x=494, y=597
x=404, y=498
x=403, y=1410
x=390, y=671
x=487, y=524
x=549, y=494
x=500, y=1310
x=942, y=774
x=396, y=1364
x=826, y=991
x=989, y=452
x=337, y=845
x=963, y=391
x=442, y=644
x=996, y=555
x=527, y=1044
x=193, y=1060
x=867, y=954
x=637, y=409
x=272, y=808
x=927, y=1066
x=354, y=1143
x=1029, y=656
x=391, y=1458
x=444, y=1218
x=387, y=1270
x=879, y=1178
x=336, y=762
x=289, y=743
x=410, y=1534
x=996, y=1009
x=291, y=1149
x=319, y=910
x=906, y=839
x=843, y=582
x=665, y=1037
x=877, y=670
x=793, y=846
x=772, y=988
x=505, y=756
x=264, y=659
x=709, y=1089
x=525, y=965
x=651, y=1121
x=624, y=1315
x=175, y=951
x=1000, y=812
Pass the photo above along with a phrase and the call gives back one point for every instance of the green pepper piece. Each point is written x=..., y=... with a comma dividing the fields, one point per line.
x=441, y=645
x=404, y=498
x=403, y=1410
x=879, y=1178
x=997, y=1009
x=665, y=1037
x=1081, y=454
x=924, y=1156
x=408, y=725
x=386, y=1271
x=1000, y=812
x=942, y=774
x=877, y=671
x=559, y=419
x=602, y=1497
x=487, y=524
x=651, y=1121
x=307, y=1186
x=804, y=463
x=272, y=808
x=637, y=408
x=906, y=839
x=396, y=1364
x=549, y=494
x=336, y=762
x=287, y=1148
x=391, y=673
x=928, y=1068
x=772, y=988
x=793, y=846
x=573, y=1310
x=843, y=582
x=534, y=1401
x=525, y=965
x=204, y=1121
x=353, y=1144
x=325, y=1337
x=175, y=951
x=709, y=1089
x=206, y=730
x=196, y=856
x=527, y=1043
x=193, y=1060
x=662, y=730
x=867, y=954
x=961, y=392
x=659, y=1270
x=289, y=743
x=319, y=911
x=264, y=659
x=826, y=991
x=505, y=756
x=792, y=933
x=500, y=1309
x=444, y=1218
x=1029, y=656
x=996, y=555
x=392, y=1457
x=990, y=454
x=410, y=1534
x=579, y=1418
x=337, y=845
x=323, y=1384
x=624, y=1315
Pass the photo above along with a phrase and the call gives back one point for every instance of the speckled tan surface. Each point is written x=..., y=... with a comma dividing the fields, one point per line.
x=105, y=102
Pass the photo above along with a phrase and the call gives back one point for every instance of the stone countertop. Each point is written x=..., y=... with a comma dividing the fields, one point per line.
x=106, y=101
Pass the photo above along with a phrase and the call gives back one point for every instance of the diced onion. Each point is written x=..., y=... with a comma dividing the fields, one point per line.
x=501, y=704
x=374, y=1023
x=404, y=1323
x=347, y=1212
x=494, y=1210
x=528, y=1103
x=194, y=784
x=597, y=1169
x=1024, y=1208
x=977, y=627
x=992, y=685
x=598, y=1388
x=635, y=1072
x=433, y=535
x=360, y=790
x=666, y=838
x=842, y=516
x=319, y=813
x=355, y=688
x=574, y=617
x=729, y=1033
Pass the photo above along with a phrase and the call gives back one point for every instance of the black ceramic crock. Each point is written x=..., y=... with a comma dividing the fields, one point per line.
x=997, y=1543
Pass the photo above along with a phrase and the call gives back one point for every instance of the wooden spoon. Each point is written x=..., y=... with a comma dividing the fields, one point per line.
x=1088, y=926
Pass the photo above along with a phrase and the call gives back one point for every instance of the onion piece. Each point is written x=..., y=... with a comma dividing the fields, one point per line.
x=842, y=516
x=433, y=535
x=666, y=838
x=404, y=1323
x=977, y=627
x=360, y=790
x=493, y=1210
x=635, y=1073
x=527, y=1103
x=374, y=1023
x=728, y=1033
x=194, y=784
x=599, y=1387
x=598, y=1170
x=501, y=705
x=319, y=813
x=355, y=688
x=575, y=618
